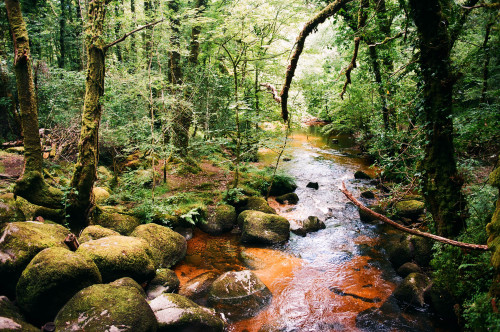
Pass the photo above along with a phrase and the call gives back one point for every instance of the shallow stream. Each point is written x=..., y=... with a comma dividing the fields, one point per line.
x=320, y=282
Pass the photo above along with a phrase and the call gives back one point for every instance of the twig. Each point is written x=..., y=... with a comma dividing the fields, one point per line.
x=273, y=90
x=119, y=40
x=408, y=230
x=386, y=40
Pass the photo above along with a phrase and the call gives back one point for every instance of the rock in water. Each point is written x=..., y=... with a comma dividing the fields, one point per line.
x=221, y=220
x=362, y=175
x=239, y=295
x=120, y=256
x=197, y=288
x=290, y=198
x=106, y=308
x=165, y=281
x=311, y=224
x=263, y=228
x=313, y=185
x=412, y=289
x=168, y=247
x=20, y=242
x=409, y=209
x=52, y=277
x=175, y=313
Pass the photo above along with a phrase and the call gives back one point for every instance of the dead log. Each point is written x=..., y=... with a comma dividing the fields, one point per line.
x=409, y=230
x=272, y=89
x=72, y=242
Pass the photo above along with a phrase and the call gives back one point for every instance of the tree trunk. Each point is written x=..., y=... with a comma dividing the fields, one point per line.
x=440, y=180
x=62, y=35
x=84, y=176
x=195, y=33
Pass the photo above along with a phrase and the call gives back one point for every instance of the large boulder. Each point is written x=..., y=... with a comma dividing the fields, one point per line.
x=120, y=256
x=100, y=194
x=128, y=282
x=165, y=281
x=176, y=313
x=220, y=220
x=311, y=224
x=8, y=209
x=95, y=232
x=11, y=318
x=197, y=288
x=408, y=268
x=400, y=251
x=282, y=185
x=20, y=242
x=52, y=277
x=409, y=209
x=238, y=295
x=257, y=204
x=412, y=289
x=106, y=308
x=263, y=228
x=110, y=217
x=168, y=247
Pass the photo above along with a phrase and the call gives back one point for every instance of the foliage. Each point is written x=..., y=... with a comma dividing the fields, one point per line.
x=480, y=315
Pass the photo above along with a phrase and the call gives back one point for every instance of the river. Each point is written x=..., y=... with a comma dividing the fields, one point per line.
x=323, y=281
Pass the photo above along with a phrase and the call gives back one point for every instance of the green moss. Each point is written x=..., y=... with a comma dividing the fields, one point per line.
x=105, y=308
x=109, y=217
x=52, y=277
x=220, y=220
x=21, y=241
x=120, y=256
x=412, y=289
x=33, y=187
x=167, y=247
x=12, y=319
x=100, y=194
x=263, y=228
x=95, y=232
x=409, y=209
x=165, y=281
x=128, y=282
x=258, y=204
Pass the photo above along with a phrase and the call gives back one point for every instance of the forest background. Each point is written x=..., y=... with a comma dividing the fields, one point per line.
x=193, y=85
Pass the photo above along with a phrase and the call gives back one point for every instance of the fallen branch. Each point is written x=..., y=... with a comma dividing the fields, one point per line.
x=409, y=230
x=309, y=27
x=386, y=40
x=273, y=90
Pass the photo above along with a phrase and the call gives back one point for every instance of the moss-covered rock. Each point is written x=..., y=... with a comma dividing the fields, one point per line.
x=95, y=232
x=362, y=175
x=109, y=217
x=366, y=217
x=290, y=198
x=11, y=318
x=168, y=247
x=409, y=209
x=120, y=256
x=32, y=211
x=421, y=250
x=128, y=282
x=222, y=219
x=238, y=295
x=257, y=204
x=52, y=277
x=412, y=289
x=165, y=281
x=408, y=268
x=106, y=308
x=368, y=194
x=311, y=224
x=8, y=209
x=263, y=228
x=197, y=288
x=100, y=194
x=176, y=313
x=399, y=250
x=281, y=185
x=20, y=242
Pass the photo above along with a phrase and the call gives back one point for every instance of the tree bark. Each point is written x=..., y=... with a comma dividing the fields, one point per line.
x=195, y=33
x=62, y=34
x=85, y=173
x=440, y=181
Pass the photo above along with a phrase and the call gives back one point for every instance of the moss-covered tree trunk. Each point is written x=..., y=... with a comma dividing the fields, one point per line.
x=440, y=180
x=33, y=161
x=81, y=198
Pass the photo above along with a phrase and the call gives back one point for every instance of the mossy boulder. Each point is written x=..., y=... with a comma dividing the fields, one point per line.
x=421, y=250
x=106, y=308
x=263, y=228
x=110, y=217
x=31, y=211
x=52, y=277
x=100, y=194
x=11, y=318
x=281, y=185
x=95, y=232
x=197, y=288
x=8, y=209
x=120, y=256
x=311, y=224
x=20, y=242
x=368, y=194
x=257, y=204
x=220, y=220
x=128, y=282
x=176, y=313
x=412, y=289
x=409, y=209
x=400, y=250
x=238, y=295
x=290, y=198
x=165, y=281
x=168, y=247
x=408, y=268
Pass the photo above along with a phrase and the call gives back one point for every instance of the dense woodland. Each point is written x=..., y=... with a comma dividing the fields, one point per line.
x=123, y=95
